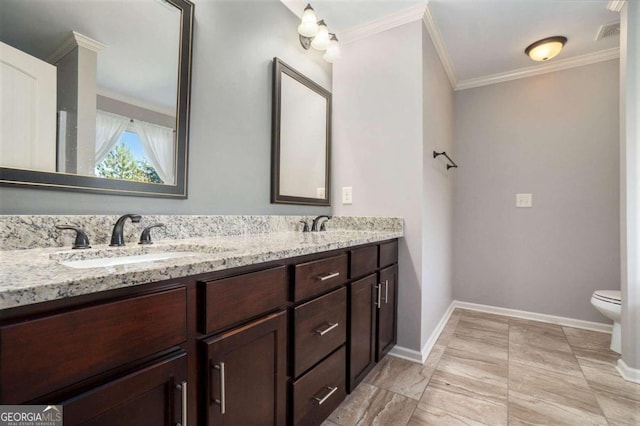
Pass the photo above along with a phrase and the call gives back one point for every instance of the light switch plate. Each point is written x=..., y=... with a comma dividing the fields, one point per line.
x=524, y=200
x=347, y=195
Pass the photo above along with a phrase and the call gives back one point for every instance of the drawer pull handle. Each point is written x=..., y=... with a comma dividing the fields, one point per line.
x=182, y=387
x=329, y=276
x=378, y=295
x=328, y=329
x=222, y=401
x=324, y=398
x=386, y=291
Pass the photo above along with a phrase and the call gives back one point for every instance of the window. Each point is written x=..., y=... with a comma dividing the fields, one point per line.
x=127, y=160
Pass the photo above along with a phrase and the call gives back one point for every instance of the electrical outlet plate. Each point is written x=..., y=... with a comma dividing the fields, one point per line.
x=347, y=195
x=524, y=200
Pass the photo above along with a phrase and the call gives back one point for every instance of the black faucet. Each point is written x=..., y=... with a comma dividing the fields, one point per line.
x=117, y=236
x=316, y=222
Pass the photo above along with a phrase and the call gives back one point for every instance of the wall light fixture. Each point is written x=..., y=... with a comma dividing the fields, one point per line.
x=314, y=33
x=545, y=49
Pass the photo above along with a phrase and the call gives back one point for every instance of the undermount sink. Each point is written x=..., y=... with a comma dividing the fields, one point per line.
x=125, y=260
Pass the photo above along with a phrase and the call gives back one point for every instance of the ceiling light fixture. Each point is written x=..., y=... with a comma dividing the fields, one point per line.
x=545, y=49
x=314, y=33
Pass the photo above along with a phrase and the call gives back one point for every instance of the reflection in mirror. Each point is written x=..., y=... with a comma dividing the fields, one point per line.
x=95, y=94
x=301, y=138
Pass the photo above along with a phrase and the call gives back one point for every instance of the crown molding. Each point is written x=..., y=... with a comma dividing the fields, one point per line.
x=74, y=40
x=436, y=38
x=368, y=29
x=615, y=5
x=563, y=64
x=295, y=6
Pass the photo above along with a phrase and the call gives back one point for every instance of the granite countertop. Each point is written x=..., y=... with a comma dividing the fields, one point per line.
x=36, y=275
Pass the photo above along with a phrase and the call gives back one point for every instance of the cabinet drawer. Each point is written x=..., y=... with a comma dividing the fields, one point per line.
x=388, y=253
x=46, y=354
x=232, y=300
x=318, y=276
x=320, y=391
x=363, y=261
x=319, y=328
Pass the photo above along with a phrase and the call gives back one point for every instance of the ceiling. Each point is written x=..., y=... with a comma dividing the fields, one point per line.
x=485, y=37
x=139, y=63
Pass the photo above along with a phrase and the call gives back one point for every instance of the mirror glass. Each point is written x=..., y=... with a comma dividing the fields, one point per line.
x=95, y=94
x=301, y=138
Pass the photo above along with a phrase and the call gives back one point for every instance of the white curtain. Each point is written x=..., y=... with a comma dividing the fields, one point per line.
x=159, y=147
x=109, y=128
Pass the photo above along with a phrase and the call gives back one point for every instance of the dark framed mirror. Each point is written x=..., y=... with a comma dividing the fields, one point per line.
x=301, y=139
x=98, y=95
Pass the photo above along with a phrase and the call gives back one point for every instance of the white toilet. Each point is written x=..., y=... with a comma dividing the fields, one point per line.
x=608, y=303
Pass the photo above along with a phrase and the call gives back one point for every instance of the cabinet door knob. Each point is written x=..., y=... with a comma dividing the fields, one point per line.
x=222, y=401
x=386, y=291
x=321, y=400
x=378, y=295
x=328, y=329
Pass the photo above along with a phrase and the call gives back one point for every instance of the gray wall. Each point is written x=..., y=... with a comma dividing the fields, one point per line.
x=388, y=121
x=437, y=198
x=115, y=106
x=378, y=149
x=229, y=153
x=555, y=136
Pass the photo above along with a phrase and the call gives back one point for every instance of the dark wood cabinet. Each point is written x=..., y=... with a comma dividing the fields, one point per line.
x=277, y=343
x=372, y=308
x=387, y=310
x=154, y=395
x=244, y=374
x=362, y=328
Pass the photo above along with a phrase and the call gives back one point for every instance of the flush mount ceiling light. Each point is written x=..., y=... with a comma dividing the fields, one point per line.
x=545, y=49
x=314, y=33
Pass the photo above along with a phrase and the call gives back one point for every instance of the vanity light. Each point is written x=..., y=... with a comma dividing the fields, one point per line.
x=314, y=33
x=309, y=26
x=321, y=40
x=333, y=51
x=545, y=49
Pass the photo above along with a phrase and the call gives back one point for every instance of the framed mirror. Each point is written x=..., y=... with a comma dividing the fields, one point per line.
x=95, y=95
x=301, y=139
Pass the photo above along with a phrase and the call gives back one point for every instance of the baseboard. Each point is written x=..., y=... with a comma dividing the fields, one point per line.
x=628, y=373
x=406, y=353
x=421, y=356
x=551, y=319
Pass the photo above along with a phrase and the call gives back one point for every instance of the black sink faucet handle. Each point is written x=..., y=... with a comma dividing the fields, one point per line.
x=82, y=241
x=145, y=237
x=305, y=228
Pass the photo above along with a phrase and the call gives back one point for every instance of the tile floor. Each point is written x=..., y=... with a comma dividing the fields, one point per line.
x=495, y=370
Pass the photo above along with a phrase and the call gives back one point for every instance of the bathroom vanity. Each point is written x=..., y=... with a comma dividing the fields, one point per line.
x=267, y=329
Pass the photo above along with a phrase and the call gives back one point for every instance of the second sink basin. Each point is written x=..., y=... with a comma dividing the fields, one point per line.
x=125, y=260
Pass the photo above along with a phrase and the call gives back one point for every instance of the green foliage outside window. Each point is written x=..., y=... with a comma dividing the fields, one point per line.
x=121, y=164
